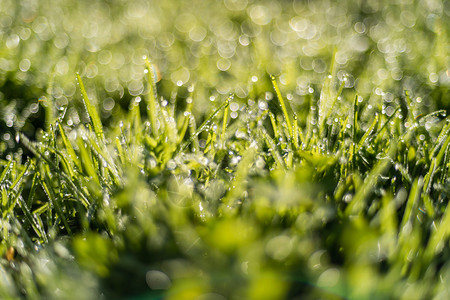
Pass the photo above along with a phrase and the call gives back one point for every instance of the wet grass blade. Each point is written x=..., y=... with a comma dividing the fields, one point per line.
x=358, y=202
x=70, y=151
x=204, y=125
x=283, y=106
x=224, y=125
x=273, y=149
x=55, y=203
x=367, y=134
x=152, y=105
x=91, y=110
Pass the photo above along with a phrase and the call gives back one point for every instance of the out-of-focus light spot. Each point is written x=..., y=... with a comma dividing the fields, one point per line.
x=279, y=247
x=223, y=89
x=135, y=87
x=223, y=64
x=12, y=41
x=234, y=106
x=165, y=39
x=41, y=27
x=319, y=65
x=137, y=9
x=358, y=43
x=396, y=74
x=262, y=105
x=250, y=29
x=61, y=102
x=382, y=73
x=197, y=34
x=111, y=84
x=254, y=78
x=329, y=278
x=433, y=77
x=236, y=4
x=289, y=96
x=34, y=108
x=24, y=33
x=408, y=18
x=226, y=48
x=234, y=114
x=260, y=14
x=104, y=57
x=185, y=22
x=389, y=110
x=91, y=71
x=118, y=60
x=61, y=41
x=158, y=280
x=278, y=38
x=180, y=77
x=317, y=259
x=298, y=24
x=360, y=27
x=241, y=91
x=244, y=40
x=24, y=65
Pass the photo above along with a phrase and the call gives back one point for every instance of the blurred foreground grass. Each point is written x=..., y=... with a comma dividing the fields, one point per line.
x=324, y=174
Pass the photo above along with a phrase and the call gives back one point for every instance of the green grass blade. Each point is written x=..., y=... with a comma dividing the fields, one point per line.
x=70, y=151
x=204, y=125
x=55, y=203
x=367, y=134
x=224, y=125
x=274, y=125
x=91, y=110
x=283, y=106
x=152, y=104
x=273, y=149
x=358, y=202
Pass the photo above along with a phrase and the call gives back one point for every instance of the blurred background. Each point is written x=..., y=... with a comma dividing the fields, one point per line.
x=218, y=47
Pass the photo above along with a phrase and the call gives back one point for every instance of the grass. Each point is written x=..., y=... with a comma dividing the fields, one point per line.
x=291, y=174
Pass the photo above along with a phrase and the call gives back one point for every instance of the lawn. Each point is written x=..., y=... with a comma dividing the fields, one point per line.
x=231, y=149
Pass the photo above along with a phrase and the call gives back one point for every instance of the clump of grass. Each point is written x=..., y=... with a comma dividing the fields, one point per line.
x=313, y=183
x=357, y=211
